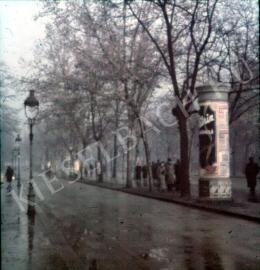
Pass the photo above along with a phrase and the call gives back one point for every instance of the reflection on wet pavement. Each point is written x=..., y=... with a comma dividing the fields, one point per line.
x=85, y=227
x=31, y=223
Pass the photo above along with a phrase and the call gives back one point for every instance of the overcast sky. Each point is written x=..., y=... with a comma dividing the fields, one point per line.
x=19, y=32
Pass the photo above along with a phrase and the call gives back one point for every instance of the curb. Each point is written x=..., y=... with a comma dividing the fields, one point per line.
x=180, y=202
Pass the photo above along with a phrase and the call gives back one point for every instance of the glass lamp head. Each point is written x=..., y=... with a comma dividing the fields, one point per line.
x=31, y=106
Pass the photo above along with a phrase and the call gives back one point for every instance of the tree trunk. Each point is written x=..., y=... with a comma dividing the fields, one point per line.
x=128, y=165
x=123, y=167
x=128, y=153
x=184, y=152
x=99, y=158
x=148, y=163
x=233, y=155
x=147, y=152
x=137, y=152
x=82, y=162
x=192, y=131
x=114, y=170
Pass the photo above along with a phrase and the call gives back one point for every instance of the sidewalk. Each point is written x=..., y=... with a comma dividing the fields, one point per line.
x=239, y=207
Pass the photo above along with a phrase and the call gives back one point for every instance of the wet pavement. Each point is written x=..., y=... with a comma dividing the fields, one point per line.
x=87, y=227
x=240, y=206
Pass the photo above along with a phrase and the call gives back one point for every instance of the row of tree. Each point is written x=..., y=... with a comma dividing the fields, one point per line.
x=105, y=66
x=8, y=116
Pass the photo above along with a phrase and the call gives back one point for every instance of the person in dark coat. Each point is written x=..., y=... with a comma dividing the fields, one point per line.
x=157, y=164
x=145, y=174
x=251, y=172
x=91, y=169
x=86, y=171
x=154, y=174
x=177, y=168
x=169, y=177
x=138, y=172
x=9, y=177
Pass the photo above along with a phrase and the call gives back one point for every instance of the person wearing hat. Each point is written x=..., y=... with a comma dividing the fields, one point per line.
x=251, y=171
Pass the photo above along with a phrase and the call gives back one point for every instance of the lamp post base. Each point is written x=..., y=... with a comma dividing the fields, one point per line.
x=215, y=189
x=31, y=200
x=30, y=190
x=18, y=183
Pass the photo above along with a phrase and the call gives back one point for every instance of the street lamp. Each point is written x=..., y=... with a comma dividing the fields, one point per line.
x=31, y=107
x=17, y=146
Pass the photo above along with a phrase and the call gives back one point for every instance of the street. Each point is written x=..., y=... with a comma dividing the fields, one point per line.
x=130, y=135
x=86, y=227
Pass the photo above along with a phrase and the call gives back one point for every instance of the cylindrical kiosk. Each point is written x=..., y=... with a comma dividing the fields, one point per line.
x=214, y=181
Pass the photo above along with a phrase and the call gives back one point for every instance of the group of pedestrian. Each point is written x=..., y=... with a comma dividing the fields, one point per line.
x=165, y=175
x=94, y=170
x=89, y=170
x=141, y=173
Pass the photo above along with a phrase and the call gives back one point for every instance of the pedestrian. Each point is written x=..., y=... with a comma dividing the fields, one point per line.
x=91, y=168
x=99, y=171
x=169, y=175
x=177, y=170
x=154, y=174
x=251, y=172
x=145, y=174
x=138, y=172
x=9, y=177
x=48, y=170
x=158, y=164
x=161, y=176
x=86, y=171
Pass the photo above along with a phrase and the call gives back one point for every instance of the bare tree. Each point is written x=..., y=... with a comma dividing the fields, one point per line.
x=187, y=29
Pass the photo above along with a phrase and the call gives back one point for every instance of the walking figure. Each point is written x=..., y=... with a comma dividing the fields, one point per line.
x=86, y=171
x=91, y=168
x=99, y=171
x=251, y=172
x=161, y=176
x=9, y=177
x=145, y=174
x=177, y=170
x=49, y=172
x=169, y=175
x=138, y=172
x=154, y=174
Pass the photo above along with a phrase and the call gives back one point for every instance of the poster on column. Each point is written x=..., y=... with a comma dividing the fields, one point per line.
x=223, y=139
x=207, y=140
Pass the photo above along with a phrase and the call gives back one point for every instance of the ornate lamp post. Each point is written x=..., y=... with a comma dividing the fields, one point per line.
x=31, y=107
x=17, y=143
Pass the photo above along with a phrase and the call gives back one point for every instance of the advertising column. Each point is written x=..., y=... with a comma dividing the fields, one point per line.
x=214, y=181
